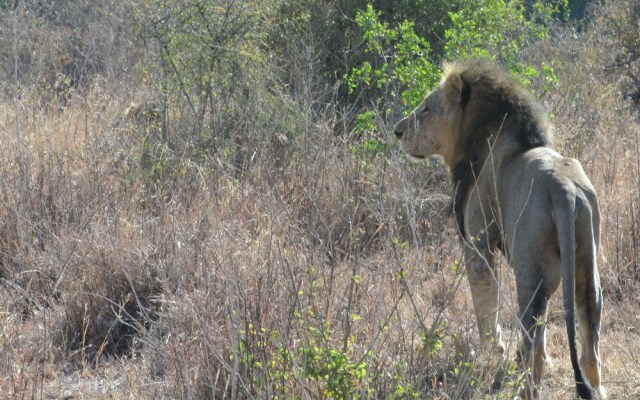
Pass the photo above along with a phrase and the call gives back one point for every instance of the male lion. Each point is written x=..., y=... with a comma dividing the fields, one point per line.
x=513, y=193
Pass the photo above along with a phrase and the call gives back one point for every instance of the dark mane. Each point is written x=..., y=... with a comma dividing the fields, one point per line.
x=495, y=107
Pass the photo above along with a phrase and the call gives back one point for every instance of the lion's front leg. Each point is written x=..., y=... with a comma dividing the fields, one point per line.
x=483, y=280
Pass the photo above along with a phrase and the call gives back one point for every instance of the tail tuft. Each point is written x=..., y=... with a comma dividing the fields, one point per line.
x=584, y=389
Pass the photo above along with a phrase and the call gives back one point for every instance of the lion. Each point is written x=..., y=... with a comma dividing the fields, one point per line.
x=515, y=195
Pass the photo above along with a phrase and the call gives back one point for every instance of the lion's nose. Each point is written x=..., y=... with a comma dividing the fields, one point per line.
x=398, y=133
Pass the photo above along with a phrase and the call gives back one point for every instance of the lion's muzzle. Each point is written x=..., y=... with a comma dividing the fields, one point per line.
x=400, y=128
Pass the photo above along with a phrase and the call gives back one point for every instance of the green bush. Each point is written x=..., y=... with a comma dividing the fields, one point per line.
x=400, y=68
x=500, y=31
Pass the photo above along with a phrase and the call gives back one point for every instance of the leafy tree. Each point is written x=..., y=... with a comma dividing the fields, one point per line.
x=334, y=30
x=430, y=17
x=400, y=65
x=204, y=46
x=500, y=30
x=217, y=82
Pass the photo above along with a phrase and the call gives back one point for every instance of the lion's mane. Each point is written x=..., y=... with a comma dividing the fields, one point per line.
x=494, y=103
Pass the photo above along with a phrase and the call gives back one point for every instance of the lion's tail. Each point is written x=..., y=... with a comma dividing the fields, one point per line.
x=564, y=211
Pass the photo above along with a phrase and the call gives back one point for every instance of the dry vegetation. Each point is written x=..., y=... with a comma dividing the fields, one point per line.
x=278, y=265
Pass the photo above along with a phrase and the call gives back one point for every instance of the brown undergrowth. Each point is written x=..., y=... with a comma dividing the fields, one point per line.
x=314, y=268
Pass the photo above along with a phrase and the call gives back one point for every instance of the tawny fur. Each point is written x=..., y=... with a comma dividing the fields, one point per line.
x=515, y=195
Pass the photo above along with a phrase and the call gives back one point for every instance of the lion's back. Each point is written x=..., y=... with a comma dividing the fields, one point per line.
x=530, y=189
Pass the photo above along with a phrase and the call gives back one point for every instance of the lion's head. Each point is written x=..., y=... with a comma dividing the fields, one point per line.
x=476, y=106
x=433, y=126
x=474, y=102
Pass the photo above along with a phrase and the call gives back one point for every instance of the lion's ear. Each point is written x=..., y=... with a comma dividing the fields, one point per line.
x=457, y=89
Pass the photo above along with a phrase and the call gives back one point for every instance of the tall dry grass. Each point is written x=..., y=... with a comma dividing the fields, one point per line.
x=301, y=269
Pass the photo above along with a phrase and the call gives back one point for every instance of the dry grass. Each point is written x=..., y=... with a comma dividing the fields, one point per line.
x=129, y=271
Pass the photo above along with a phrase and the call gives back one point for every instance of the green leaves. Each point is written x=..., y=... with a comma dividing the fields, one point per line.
x=335, y=370
x=400, y=63
x=500, y=30
x=402, y=67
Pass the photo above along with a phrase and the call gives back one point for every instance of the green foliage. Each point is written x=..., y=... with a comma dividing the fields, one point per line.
x=338, y=374
x=499, y=30
x=398, y=71
x=404, y=390
x=400, y=66
x=275, y=365
x=430, y=17
x=368, y=148
x=337, y=38
x=433, y=341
